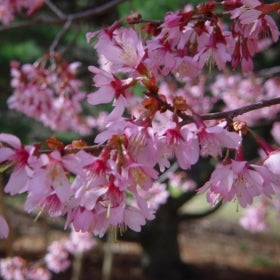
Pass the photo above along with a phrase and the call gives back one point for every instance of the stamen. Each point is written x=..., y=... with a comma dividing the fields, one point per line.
x=108, y=210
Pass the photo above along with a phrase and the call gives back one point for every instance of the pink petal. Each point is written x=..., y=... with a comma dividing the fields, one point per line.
x=5, y=153
x=17, y=182
x=101, y=96
x=11, y=140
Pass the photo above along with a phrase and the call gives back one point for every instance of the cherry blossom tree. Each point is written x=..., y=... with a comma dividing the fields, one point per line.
x=183, y=94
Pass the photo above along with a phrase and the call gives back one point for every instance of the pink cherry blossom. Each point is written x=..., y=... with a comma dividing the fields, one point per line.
x=254, y=219
x=9, y=8
x=152, y=83
x=38, y=272
x=142, y=144
x=156, y=195
x=134, y=218
x=237, y=91
x=212, y=47
x=180, y=182
x=13, y=268
x=57, y=257
x=178, y=141
x=161, y=60
x=272, y=162
x=213, y=138
x=50, y=94
x=12, y=152
x=270, y=181
x=236, y=179
x=193, y=92
x=187, y=68
x=110, y=86
x=79, y=242
x=51, y=173
x=275, y=131
x=121, y=47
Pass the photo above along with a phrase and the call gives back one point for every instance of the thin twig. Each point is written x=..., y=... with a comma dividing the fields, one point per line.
x=60, y=34
x=199, y=215
x=169, y=171
x=87, y=14
x=236, y=112
x=55, y=9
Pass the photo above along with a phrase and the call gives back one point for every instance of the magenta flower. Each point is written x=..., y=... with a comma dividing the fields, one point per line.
x=51, y=173
x=155, y=196
x=37, y=272
x=275, y=132
x=212, y=48
x=180, y=182
x=49, y=94
x=126, y=51
x=254, y=219
x=82, y=220
x=161, y=60
x=122, y=48
x=9, y=8
x=213, y=139
x=133, y=174
x=142, y=144
x=57, y=257
x=13, y=268
x=79, y=242
x=133, y=218
x=13, y=153
x=110, y=86
x=180, y=142
x=272, y=162
x=236, y=179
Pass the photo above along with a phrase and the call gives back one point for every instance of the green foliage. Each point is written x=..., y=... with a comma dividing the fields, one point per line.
x=175, y=192
x=262, y=261
x=153, y=9
x=27, y=50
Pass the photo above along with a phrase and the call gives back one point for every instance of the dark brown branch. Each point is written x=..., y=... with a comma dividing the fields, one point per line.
x=184, y=198
x=90, y=149
x=55, y=9
x=198, y=215
x=236, y=112
x=186, y=119
x=90, y=13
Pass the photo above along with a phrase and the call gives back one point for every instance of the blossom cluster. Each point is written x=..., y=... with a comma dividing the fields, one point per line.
x=180, y=47
x=10, y=8
x=188, y=40
x=236, y=91
x=110, y=184
x=107, y=191
x=111, y=190
x=16, y=268
x=55, y=261
x=50, y=92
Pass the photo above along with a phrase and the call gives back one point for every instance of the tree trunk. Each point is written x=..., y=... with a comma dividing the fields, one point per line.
x=161, y=258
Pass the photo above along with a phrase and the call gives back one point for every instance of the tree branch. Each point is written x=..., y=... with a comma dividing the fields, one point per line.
x=59, y=35
x=55, y=9
x=236, y=112
x=198, y=215
x=182, y=199
x=90, y=13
